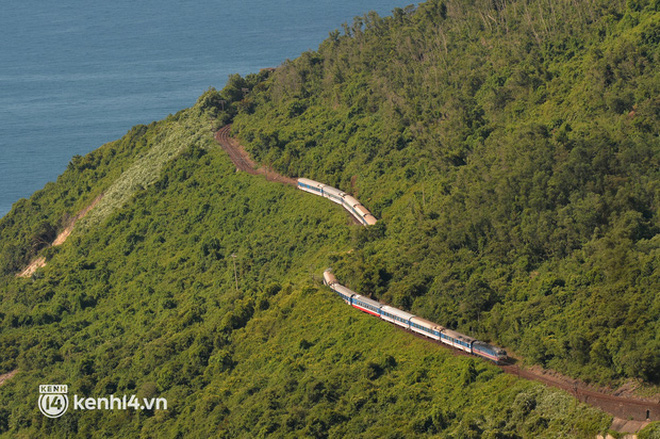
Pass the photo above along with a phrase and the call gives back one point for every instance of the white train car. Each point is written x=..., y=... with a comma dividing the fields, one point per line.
x=333, y=194
x=365, y=304
x=457, y=340
x=396, y=316
x=311, y=186
x=426, y=327
x=358, y=211
x=349, y=204
x=369, y=219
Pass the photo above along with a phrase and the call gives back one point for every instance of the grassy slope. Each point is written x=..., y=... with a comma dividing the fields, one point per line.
x=145, y=303
x=115, y=170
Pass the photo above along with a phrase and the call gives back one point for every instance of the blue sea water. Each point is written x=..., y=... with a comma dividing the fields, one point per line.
x=76, y=74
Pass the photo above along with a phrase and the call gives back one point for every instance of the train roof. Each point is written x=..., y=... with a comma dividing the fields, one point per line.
x=427, y=323
x=370, y=219
x=397, y=312
x=310, y=182
x=362, y=210
x=351, y=201
x=333, y=191
x=459, y=336
x=367, y=300
x=342, y=289
x=329, y=277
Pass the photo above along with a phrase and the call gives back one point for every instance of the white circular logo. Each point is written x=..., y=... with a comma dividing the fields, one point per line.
x=53, y=400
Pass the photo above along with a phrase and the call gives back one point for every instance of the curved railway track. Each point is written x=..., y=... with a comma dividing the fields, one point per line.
x=622, y=407
x=242, y=160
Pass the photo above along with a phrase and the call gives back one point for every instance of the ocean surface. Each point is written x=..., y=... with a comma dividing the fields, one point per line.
x=76, y=74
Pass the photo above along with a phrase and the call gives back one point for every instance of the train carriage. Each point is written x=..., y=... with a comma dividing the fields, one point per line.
x=329, y=278
x=343, y=292
x=457, y=340
x=425, y=327
x=365, y=304
x=396, y=316
x=416, y=324
x=370, y=219
x=333, y=194
x=367, y=218
x=349, y=204
x=311, y=186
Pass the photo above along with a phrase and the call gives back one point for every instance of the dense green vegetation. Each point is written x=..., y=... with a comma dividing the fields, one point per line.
x=146, y=304
x=33, y=224
x=511, y=150
x=116, y=170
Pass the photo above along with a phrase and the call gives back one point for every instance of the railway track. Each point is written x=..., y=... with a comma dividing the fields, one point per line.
x=622, y=407
x=242, y=160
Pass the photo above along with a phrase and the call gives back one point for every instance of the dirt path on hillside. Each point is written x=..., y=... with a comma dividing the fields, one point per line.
x=61, y=237
x=7, y=376
x=242, y=160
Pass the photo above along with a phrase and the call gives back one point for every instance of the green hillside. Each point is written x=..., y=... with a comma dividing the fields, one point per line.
x=510, y=152
x=146, y=304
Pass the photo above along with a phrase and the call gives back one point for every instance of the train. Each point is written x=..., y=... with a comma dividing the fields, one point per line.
x=351, y=204
x=414, y=323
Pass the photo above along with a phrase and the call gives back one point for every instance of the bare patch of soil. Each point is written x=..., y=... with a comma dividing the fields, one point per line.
x=36, y=264
x=61, y=237
x=242, y=160
x=7, y=376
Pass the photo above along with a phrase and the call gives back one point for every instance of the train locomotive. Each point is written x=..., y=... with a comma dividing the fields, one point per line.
x=351, y=204
x=415, y=323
